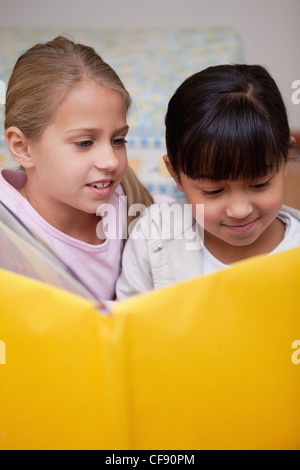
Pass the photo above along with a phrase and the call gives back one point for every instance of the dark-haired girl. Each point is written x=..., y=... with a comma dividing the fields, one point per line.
x=228, y=143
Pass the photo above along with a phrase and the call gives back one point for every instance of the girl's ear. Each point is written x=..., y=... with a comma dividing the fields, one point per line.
x=173, y=173
x=292, y=139
x=290, y=155
x=292, y=142
x=18, y=146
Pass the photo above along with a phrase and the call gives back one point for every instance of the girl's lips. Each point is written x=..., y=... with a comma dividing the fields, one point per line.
x=100, y=185
x=102, y=188
x=241, y=228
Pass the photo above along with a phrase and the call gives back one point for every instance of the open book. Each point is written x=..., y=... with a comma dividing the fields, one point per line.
x=211, y=363
x=25, y=253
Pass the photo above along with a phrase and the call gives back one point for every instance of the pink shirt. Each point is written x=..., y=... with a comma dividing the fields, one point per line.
x=98, y=265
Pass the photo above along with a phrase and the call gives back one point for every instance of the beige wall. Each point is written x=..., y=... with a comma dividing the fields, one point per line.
x=270, y=29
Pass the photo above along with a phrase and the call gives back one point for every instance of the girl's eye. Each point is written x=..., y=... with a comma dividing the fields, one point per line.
x=119, y=142
x=211, y=193
x=261, y=185
x=84, y=143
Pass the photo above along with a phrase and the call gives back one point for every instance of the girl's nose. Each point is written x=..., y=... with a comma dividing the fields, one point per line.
x=239, y=208
x=106, y=159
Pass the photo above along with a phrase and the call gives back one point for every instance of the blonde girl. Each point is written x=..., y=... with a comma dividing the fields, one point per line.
x=66, y=126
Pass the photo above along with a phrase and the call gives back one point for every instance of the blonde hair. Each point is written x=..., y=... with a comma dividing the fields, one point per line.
x=44, y=74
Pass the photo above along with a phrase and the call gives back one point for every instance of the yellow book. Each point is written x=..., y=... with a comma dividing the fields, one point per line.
x=212, y=363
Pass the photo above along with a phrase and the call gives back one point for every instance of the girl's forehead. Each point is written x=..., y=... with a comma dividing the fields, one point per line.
x=90, y=96
x=88, y=90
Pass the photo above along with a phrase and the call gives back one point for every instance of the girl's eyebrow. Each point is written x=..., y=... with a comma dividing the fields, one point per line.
x=123, y=129
x=91, y=129
x=80, y=129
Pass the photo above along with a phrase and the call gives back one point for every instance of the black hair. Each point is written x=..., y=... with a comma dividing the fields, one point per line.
x=227, y=122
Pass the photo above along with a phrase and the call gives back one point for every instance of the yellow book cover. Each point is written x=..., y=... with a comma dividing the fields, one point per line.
x=212, y=363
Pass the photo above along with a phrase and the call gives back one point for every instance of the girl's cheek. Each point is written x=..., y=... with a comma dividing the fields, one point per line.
x=211, y=216
x=271, y=200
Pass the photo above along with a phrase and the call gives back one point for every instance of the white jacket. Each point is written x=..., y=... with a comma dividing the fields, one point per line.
x=160, y=250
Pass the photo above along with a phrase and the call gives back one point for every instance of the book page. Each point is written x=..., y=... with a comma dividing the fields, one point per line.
x=23, y=252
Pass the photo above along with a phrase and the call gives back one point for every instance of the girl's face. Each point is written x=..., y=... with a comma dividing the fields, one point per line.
x=238, y=214
x=80, y=158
